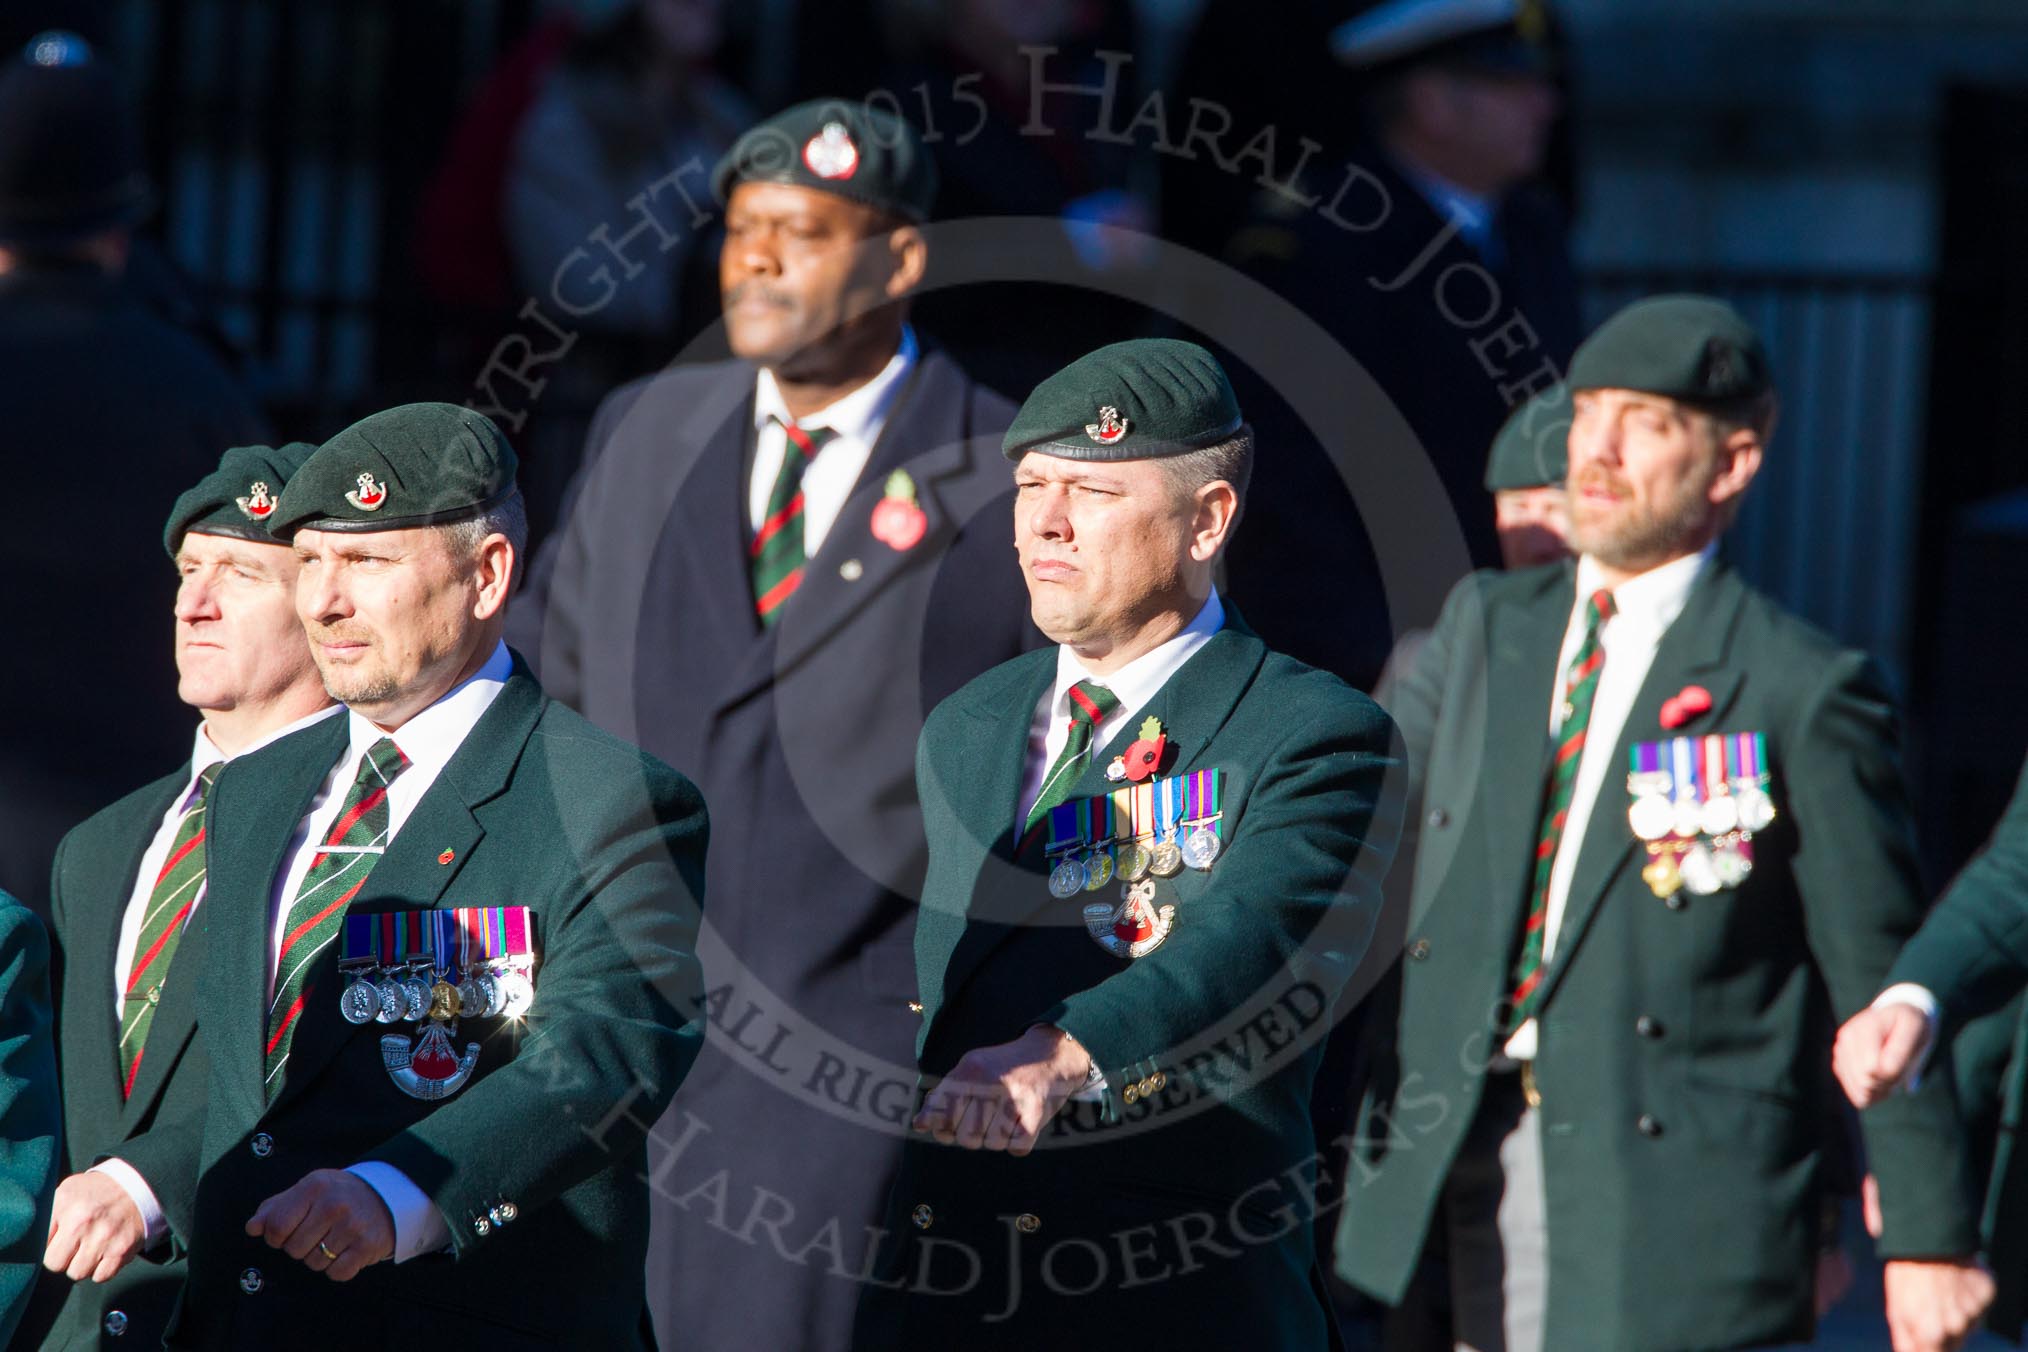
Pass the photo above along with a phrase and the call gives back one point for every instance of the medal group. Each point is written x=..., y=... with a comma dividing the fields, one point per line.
x=1697, y=802
x=432, y=968
x=1136, y=834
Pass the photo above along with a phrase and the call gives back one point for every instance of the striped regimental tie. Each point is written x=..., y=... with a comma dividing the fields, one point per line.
x=351, y=848
x=777, y=550
x=1579, y=687
x=1090, y=702
x=177, y=888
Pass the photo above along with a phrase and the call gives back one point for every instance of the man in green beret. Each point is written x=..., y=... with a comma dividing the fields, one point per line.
x=1603, y=1083
x=1150, y=847
x=768, y=570
x=449, y=964
x=1525, y=475
x=129, y=882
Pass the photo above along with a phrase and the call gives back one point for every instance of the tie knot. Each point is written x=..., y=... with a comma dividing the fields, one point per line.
x=1599, y=609
x=1090, y=702
x=808, y=440
x=382, y=763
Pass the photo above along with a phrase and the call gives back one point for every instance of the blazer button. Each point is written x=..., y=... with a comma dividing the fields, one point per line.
x=250, y=1281
x=923, y=1217
x=1647, y=1027
x=1419, y=949
x=116, y=1323
x=481, y=1226
x=1028, y=1222
x=1438, y=819
x=504, y=1213
x=1648, y=1126
x=263, y=1145
x=1675, y=901
x=915, y=1006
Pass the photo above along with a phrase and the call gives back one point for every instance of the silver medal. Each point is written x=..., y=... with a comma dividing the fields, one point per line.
x=1167, y=861
x=1700, y=871
x=1098, y=870
x=392, y=1001
x=518, y=992
x=1200, y=847
x=1720, y=815
x=1066, y=880
x=1651, y=816
x=360, y=1002
x=1756, y=808
x=415, y=994
x=1686, y=817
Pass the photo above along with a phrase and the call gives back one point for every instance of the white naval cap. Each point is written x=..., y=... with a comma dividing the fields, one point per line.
x=1397, y=29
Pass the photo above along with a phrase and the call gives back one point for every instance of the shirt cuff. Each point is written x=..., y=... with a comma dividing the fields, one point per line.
x=1924, y=1003
x=154, y=1225
x=419, y=1227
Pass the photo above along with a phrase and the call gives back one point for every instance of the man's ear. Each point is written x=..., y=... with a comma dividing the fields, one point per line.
x=493, y=571
x=1217, y=511
x=1739, y=457
x=910, y=251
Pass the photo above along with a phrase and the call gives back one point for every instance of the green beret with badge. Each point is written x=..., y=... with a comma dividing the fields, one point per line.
x=1532, y=449
x=1694, y=348
x=238, y=498
x=413, y=465
x=838, y=146
x=1144, y=399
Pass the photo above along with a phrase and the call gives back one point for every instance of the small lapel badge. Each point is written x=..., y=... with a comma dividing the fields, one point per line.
x=898, y=519
x=447, y=856
x=1109, y=428
x=369, y=496
x=258, y=504
x=831, y=153
x=852, y=570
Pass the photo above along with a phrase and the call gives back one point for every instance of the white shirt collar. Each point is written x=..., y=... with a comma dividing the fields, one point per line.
x=204, y=753
x=431, y=737
x=1651, y=601
x=858, y=414
x=1136, y=682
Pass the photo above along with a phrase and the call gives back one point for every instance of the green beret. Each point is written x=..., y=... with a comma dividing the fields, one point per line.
x=1692, y=348
x=1533, y=447
x=237, y=498
x=1137, y=400
x=836, y=146
x=413, y=465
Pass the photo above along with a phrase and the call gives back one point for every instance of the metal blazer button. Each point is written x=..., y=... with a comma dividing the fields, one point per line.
x=250, y=1280
x=1438, y=819
x=1028, y=1222
x=263, y=1145
x=116, y=1323
x=1648, y=1126
x=481, y=1226
x=1647, y=1027
x=504, y=1213
x=923, y=1217
x=1419, y=949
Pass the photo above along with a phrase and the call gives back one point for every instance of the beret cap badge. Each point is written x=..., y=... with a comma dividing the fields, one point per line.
x=831, y=153
x=369, y=496
x=1109, y=428
x=259, y=503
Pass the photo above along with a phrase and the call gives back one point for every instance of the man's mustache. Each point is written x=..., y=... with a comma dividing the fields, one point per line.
x=759, y=291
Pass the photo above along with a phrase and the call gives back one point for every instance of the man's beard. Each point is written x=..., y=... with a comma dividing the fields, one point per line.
x=1638, y=538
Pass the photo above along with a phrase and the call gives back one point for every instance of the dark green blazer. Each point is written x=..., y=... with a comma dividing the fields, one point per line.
x=1972, y=954
x=1683, y=1046
x=1209, y=1042
x=537, y=1164
x=29, y=1110
x=89, y=889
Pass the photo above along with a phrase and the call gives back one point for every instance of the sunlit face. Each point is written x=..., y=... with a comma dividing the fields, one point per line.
x=238, y=642
x=798, y=269
x=1533, y=523
x=390, y=615
x=1644, y=479
x=1104, y=545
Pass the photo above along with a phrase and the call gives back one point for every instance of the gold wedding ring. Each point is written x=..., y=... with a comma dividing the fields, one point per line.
x=325, y=1249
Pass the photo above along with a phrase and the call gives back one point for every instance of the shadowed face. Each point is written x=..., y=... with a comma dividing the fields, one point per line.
x=392, y=616
x=801, y=269
x=1533, y=523
x=237, y=639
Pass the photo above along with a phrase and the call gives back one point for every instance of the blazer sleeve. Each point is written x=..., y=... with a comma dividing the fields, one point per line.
x=1972, y=952
x=613, y=1030
x=1855, y=870
x=29, y=1112
x=1318, y=830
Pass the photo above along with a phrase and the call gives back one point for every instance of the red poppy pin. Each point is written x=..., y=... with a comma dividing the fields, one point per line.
x=1144, y=757
x=898, y=520
x=1685, y=705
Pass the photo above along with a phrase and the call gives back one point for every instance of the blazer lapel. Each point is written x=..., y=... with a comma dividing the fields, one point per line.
x=1693, y=651
x=413, y=874
x=1521, y=679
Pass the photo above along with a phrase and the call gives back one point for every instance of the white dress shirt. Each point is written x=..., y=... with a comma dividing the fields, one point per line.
x=428, y=740
x=855, y=422
x=1643, y=609
x=1133, y=685
x=203, y=755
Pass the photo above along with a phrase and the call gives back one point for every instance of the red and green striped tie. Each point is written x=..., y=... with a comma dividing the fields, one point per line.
x=1090, y=702
x=1580, y=686
x=351, y=848
x=176, y=890
x=777, y=550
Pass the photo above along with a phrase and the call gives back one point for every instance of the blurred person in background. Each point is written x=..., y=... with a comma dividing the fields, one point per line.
x=110, y=412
